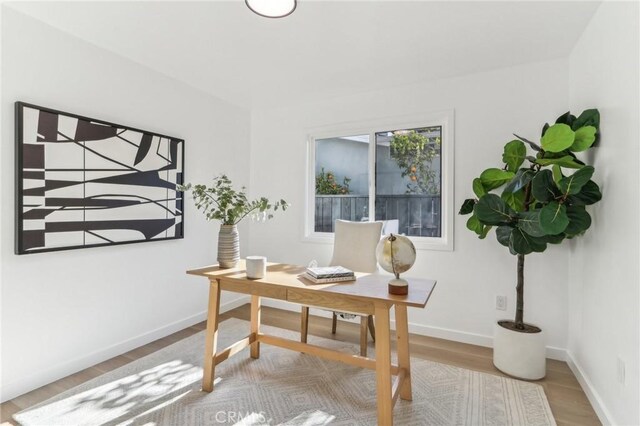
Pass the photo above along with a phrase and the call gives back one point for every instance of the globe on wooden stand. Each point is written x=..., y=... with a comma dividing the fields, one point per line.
x=396, y=254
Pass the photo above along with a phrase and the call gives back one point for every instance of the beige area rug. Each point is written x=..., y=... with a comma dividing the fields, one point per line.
x=283, y=387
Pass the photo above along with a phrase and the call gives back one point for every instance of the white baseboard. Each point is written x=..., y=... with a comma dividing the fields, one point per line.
x=594, y=397
x=40, y=378
x=425, y=330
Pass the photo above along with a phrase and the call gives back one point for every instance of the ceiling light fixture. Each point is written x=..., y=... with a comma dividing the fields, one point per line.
x=272, y=8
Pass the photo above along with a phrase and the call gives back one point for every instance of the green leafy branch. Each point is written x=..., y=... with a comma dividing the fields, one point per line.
x=222, y=202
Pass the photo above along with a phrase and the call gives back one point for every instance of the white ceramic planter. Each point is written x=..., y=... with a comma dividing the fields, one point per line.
x=522, y=355
x=228, y=246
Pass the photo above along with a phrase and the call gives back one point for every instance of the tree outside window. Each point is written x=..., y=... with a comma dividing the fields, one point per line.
x=415, y=152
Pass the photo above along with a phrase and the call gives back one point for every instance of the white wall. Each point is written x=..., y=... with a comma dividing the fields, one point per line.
x=488, y=108
x=65, y=311
x=604, y=276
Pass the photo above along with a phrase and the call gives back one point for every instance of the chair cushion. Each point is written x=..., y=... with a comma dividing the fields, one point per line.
x=354, y=245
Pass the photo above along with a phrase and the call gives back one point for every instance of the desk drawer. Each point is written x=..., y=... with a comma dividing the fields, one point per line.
x=330, y=301
x=258, y=289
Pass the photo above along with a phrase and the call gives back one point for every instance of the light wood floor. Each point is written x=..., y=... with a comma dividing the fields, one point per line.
x=568, y=402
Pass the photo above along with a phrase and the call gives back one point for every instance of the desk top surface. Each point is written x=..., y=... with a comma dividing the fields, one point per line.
x=372, y=287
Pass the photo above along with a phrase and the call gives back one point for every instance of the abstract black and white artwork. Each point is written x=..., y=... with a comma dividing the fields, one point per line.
x=83, y=182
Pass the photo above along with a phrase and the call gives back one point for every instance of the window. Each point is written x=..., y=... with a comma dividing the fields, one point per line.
x=341, y=180
x=399, y=172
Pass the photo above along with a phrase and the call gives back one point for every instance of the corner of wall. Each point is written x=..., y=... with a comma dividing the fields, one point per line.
x=592, y=394
x=603, y=300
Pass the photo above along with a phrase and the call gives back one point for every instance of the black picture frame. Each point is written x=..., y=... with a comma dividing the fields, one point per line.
x=50, y=220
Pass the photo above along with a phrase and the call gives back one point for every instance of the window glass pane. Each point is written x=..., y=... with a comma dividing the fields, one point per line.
x=408, y=181
x=341, y=181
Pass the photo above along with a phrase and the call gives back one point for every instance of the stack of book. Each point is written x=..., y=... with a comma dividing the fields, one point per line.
x=329, y=274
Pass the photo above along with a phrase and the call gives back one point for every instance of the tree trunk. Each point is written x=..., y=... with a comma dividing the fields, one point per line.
x=520, y=285
x=520, y=294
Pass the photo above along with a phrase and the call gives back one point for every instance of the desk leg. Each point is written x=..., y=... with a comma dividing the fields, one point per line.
x=402, y=336
x=304, y=324
x=383, y=366
x=364, y=334
x=211, y=336
x=255, y=325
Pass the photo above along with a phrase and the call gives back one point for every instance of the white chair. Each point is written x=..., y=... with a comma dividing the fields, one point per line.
x=354, y=247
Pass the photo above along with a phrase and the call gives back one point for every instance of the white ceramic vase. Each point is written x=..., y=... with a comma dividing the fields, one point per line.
x=228, y=246
x=521, y=355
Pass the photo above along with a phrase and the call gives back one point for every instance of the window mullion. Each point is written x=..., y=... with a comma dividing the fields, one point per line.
x=372, y=176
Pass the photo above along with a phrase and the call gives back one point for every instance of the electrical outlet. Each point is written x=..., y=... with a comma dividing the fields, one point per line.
x=620, y=371
x=501, y=303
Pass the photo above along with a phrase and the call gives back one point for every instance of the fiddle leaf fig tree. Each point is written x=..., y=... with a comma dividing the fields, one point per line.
x=539, y=196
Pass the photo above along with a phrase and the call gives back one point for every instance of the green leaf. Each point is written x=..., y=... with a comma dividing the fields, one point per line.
x=585, y=137
x=544, y=129
x=515, y=200
x=557, y=138
x=491, y=210
x=514, y=154
x=554, y=239
x=589, y=194
x=478, y=189
x=542, y=187
x=473, y=224
x=522, y=243
x=502, y=234
x=520, y=180
x=557, y=173
x=467, y=206
x=560, y=154
x=572, y=184
x=566, y=161
x=589, y=117
x=566, y=118
x=553, y=218
x=579, y=220
x=485, y=231
x=494, y=178
x=538, y=244
x=529, y=222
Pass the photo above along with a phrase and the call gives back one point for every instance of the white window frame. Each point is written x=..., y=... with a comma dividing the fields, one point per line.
x=443, y=118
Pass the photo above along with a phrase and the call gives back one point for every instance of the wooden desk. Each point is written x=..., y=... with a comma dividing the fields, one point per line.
x=367, y=295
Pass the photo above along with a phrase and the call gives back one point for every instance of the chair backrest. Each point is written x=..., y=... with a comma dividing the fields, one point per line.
x=354, y=245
